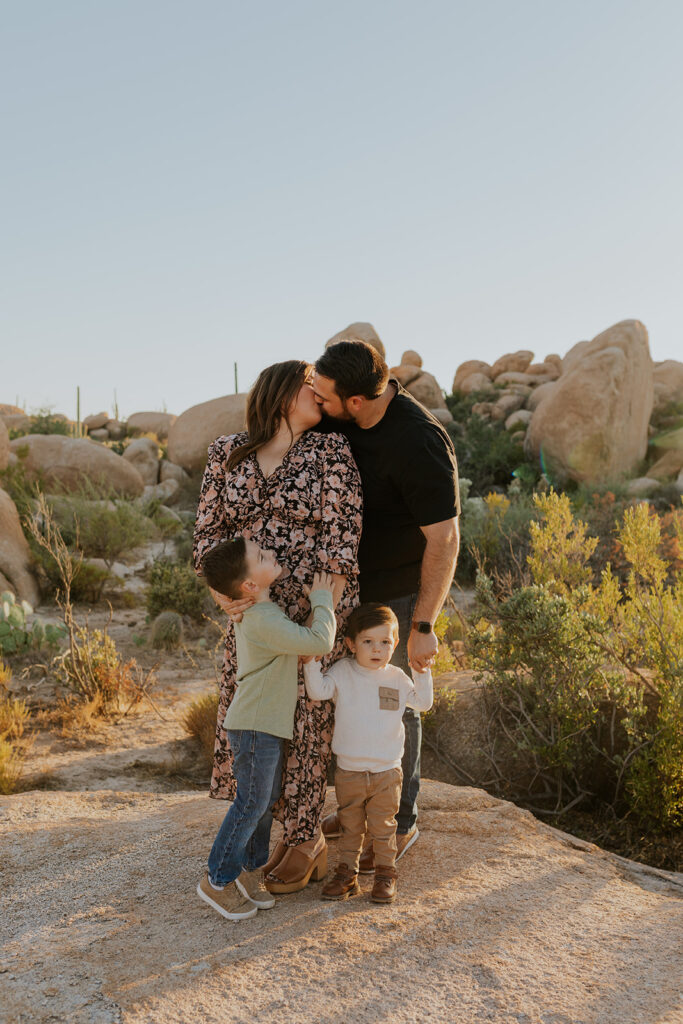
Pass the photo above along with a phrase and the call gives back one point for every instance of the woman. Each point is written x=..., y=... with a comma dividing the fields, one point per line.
x=297, y=493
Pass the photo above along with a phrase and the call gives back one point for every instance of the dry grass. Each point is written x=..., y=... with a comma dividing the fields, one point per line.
x=200, y=722
x=11, y=764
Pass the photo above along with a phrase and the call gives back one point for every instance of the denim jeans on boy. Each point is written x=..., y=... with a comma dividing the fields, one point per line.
x=244, y=836
x=403, y=608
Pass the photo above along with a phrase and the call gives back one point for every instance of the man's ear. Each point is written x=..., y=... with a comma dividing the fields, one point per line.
x=355, y=403
x=249, y=588
x=350, y=644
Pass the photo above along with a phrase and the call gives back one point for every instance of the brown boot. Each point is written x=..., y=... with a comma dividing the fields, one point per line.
x=343, y=885
x=384, y=889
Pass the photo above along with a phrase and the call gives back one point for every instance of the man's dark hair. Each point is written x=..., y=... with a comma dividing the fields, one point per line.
x=368, y=615
x=225, y=567
x=356, y=369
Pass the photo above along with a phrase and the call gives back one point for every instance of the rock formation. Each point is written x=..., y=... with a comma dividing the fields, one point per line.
x=4, y=446
x=498, y=918
x=193, y=431
x=421, y=385
x=363, y=332
x=593, y=424
x=668, y=382
x=143, y=453
x=67, y=461
x=15, y=555
x=158, y=423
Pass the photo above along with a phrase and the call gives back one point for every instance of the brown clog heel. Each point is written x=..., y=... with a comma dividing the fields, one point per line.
x=275, y=858
x=299, y=865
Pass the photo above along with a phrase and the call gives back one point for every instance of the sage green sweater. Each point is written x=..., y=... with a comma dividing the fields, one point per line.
x=268, y=649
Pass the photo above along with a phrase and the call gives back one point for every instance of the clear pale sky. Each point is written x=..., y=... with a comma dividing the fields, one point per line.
x=190, y=184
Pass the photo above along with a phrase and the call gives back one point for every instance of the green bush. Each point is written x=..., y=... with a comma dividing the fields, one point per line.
x=174, y=586
x=495, y=538
x=585, y=683
x=488, y=455
x=44, y=421
x=100, y=525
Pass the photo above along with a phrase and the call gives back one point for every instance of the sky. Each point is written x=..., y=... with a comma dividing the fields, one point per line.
x=189, y=185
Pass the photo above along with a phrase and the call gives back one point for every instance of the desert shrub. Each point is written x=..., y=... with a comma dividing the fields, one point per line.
x=495, y=538
x=487, y=453
x=200, y=722
x=13, y=718
x=10, y=767
x=174, y=586
x=584, y=683
x=99, y=525
x=167, y=631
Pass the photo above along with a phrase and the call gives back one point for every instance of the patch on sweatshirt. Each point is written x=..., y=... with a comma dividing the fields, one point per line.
x=388, y=698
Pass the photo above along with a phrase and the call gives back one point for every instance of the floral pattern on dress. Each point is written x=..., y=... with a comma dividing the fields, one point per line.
x=308, y=511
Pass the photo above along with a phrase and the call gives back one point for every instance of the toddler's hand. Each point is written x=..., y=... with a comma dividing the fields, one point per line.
x=321, y=581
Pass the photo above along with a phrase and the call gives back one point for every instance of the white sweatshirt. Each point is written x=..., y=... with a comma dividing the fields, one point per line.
x=369, y=705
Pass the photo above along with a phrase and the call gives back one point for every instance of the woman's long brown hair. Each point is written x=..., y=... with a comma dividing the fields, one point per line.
x=273, y=393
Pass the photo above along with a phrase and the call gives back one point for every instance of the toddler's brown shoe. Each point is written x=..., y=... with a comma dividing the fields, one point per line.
x=384, y=889
x=342, y=885
x=229, y=902
x=330, y=826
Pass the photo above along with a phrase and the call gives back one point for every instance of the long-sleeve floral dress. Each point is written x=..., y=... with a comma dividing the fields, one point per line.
x=308, y=511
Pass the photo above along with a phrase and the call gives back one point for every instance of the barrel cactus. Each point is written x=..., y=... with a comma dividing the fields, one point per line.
x=167, y=631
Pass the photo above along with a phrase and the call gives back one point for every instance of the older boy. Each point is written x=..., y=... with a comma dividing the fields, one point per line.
x=259, y=719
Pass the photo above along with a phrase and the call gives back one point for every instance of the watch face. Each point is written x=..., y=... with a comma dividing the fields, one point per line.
x=423, y=627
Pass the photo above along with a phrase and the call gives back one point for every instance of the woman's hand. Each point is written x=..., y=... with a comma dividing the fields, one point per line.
x=232, y=608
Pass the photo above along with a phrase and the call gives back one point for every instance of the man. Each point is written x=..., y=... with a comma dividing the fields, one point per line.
x=410, y=539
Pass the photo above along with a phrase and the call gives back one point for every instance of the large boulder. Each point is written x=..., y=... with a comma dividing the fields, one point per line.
x=16, y=420
x=540, y=394
x=469, y=367
x=359, y=331
x=97, y=421
x=143, y=453
x=197, y=427
x=4, y=446
x=668, y=466
x=475, y=382
x=9, y=410
x=158, y=423
x=66, y=462
x=15, y=555
x=668, y=382
x=514, y=362
x=594, y=424
x=500, y=918
x=427, y=391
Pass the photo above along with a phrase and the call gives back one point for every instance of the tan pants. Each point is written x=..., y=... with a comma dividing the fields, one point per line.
x=367, y=801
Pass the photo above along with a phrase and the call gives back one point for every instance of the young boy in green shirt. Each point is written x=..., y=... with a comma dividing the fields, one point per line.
x=260, y=717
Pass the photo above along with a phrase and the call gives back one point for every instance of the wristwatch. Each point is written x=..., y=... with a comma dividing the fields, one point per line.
x=421, y=626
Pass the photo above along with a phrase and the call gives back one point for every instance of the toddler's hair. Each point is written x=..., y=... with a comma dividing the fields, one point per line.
x=366, y=616
x=225, y=567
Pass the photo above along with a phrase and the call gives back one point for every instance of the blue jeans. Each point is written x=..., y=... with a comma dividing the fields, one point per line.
x=243, y=838
x=403, y=608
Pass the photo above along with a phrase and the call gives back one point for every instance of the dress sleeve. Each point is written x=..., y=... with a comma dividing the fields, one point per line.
x=211, y=522
x=341, y=501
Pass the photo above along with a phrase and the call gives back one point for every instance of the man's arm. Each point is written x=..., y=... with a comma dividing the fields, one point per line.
x=438, y=566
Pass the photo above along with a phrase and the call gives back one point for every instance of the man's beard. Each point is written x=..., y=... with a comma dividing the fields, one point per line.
x=343, y=417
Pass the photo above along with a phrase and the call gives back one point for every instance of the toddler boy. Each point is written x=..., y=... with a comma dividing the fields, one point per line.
x=260, y=717
x=370, y=696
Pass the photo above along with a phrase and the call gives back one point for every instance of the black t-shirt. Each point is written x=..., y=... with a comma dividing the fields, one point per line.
x=410, y=479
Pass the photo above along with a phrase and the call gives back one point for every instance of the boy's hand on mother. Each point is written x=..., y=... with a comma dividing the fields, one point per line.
x=232, y=608
x=422, y=649
x=321, y=581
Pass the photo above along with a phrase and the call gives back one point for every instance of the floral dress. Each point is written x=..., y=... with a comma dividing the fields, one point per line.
x=308, y=511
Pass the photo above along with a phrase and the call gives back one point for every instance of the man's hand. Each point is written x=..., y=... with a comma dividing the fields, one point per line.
x=321, y=581
x=422, y=648
x=232, y=608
